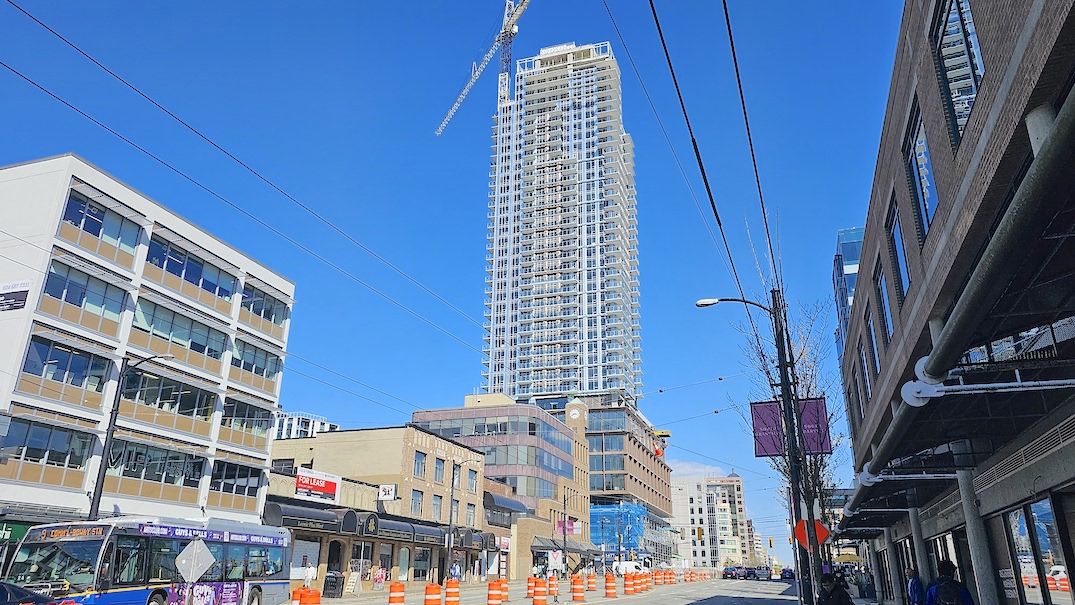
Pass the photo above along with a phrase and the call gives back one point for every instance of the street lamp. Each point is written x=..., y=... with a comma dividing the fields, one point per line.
x=776, y=313
x=449, y=540
x=110, y=431
x=563, y=558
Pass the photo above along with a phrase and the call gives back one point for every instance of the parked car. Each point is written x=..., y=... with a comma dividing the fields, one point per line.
x=728, y=573
x=740, y=572
x=751, y=573
x=10, y=594
x=787, y=574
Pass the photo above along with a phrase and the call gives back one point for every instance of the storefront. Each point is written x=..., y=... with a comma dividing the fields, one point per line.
x=10, y=534
x=378, y=550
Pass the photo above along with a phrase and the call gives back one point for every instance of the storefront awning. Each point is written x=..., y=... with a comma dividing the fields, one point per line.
x=541, y=544
x=425, y=534
x=348, y=520
x=301, y=517
x=395, y=530
x=504, y=503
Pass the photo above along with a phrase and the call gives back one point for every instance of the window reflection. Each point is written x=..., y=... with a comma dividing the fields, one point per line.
x=1024, y=554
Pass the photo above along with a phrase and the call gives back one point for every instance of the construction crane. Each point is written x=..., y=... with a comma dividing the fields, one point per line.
x=512, y=12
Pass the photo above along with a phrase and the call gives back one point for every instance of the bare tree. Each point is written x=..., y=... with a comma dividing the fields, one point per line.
x=809, y=347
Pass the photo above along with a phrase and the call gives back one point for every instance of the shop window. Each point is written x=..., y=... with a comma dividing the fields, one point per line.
x=422, y=559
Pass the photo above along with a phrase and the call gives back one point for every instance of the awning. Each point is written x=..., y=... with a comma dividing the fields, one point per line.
x=395, y=530
x=348, y=520
x=503, y=503
x=300, y=517
x=490, y=542
x=541, y=544
x=426, y=534
x=109, y=202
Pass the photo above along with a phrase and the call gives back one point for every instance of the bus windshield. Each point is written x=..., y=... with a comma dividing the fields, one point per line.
x=70, y=561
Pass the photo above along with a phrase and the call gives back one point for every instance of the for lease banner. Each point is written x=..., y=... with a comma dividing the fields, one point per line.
x=316, y=486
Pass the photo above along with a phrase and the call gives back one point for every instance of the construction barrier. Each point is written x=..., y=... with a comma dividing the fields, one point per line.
x=540, y=593
x=451, y=592
x=432, y=594
x=1065, y=584
x=591, y=582
x=395, y=592
x=309, y=596
x=628, y=583
x=610, y=586
x=554, y=586
x=577, y=590
x=530, y=587
x=503, y=590
x=494, y=593
x=658, y=578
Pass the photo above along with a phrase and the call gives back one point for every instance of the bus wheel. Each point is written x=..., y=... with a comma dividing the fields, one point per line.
x=255, y=597
x=156, y=599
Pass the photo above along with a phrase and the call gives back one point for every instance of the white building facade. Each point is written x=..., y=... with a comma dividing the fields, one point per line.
x=562, y=299
x=93, y=273
x=296, y=425
x=708, y=514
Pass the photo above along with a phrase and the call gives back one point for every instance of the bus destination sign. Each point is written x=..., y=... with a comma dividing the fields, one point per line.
x=65, y=532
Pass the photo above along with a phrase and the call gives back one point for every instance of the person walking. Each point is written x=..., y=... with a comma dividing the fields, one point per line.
x=832, y=593
x=916, y=593
x=946, y=590
x=311, y=574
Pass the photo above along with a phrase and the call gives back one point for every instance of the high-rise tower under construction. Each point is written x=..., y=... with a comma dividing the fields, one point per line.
x=562, y=300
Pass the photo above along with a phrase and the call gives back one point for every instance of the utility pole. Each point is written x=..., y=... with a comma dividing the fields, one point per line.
x=791, y=417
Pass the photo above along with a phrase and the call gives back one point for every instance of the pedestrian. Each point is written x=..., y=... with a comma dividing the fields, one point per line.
x=455, y=570
x=832, y=593
x=916, y=593
x=310, y=575
x=946, y=590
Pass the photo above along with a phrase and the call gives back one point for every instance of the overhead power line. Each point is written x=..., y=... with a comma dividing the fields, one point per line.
x=250, y=169
x=241, y=210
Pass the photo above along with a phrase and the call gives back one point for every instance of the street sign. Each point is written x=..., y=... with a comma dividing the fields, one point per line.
x=556, y=560
x=194, y=560
x=800, y=533
x=387, y=492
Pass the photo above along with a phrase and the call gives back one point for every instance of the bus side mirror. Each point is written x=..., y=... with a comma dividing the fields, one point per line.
x=104, y=578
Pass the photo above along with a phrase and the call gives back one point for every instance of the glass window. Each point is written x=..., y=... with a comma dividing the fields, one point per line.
x=920, y=172
x=960, y=58
x=215, y=573
x=162, y=560
x=1050, y=551
x=234, y=562
x=130, y=562
x=192, y=272
x=419, y=464
x=231, y=478
x=437, y=512
x=883, y=308
x=416, y=503
x=438, y=471
x=471, y=512
x=158, y=252
x=210, y=278
x=899, y=253
x=1024, y=553
x=472, y=481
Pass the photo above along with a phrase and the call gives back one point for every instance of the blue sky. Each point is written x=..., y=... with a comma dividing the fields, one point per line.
x=337, y=104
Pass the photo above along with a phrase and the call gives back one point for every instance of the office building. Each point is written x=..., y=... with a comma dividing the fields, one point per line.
x=295, y=425
x=845, y=268
x=562, y=297
x=541, y=458
x=964, y=326
x=710, y=519
x=94, y=274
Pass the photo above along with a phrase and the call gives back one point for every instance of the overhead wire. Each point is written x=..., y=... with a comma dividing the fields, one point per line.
x=701, y=169
x=243, y=211
x=667, y=137
x=250, y=169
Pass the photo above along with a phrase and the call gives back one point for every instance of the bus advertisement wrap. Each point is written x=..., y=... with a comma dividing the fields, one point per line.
x=169, y=531
x=221, y=593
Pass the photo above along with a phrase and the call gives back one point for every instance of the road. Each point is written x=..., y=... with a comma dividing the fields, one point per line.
x=712, y=592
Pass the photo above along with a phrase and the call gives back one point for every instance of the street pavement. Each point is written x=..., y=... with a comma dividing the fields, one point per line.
x=711, y=592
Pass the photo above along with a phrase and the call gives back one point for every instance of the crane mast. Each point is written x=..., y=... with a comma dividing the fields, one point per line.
x=512, y=12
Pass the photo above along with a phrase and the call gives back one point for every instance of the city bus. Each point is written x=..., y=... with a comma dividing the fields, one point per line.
x=132, y=561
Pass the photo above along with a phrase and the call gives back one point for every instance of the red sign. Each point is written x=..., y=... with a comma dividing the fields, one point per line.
x=800, y=533
x=319, y=487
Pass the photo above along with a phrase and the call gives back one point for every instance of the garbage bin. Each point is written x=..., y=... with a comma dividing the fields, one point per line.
x=333, y=585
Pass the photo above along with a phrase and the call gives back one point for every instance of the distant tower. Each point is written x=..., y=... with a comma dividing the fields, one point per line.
x=562, y=259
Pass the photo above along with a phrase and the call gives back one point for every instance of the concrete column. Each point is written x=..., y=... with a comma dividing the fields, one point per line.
x=921, y=560
x=1039, y=123
x=977, y=541
x=875, y=566
x=895, y=574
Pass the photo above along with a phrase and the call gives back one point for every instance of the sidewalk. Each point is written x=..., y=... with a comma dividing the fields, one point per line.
x=516, y=590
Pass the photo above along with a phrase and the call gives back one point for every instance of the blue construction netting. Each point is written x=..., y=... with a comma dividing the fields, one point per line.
x=610, y=521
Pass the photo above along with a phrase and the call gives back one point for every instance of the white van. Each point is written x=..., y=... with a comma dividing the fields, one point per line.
x=622, y=567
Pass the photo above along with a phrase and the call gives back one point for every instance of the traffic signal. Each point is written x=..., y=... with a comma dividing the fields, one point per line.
x=698, y=532
x=770, y=542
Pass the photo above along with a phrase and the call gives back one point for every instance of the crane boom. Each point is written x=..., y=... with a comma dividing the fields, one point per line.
x=512, y=12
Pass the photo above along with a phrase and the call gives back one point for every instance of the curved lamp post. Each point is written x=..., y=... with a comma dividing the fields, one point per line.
x=450, y=540
x=110, y=431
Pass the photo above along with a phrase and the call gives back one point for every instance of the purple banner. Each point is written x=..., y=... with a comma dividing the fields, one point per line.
x=768, y=429
x=210, y=593
x=814, y=416
x=170, y=531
